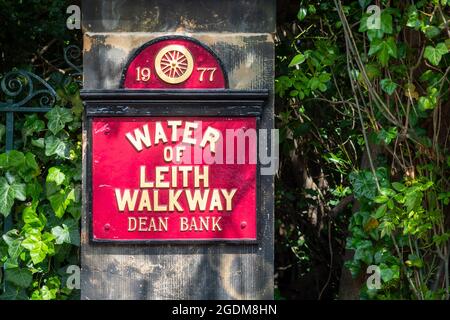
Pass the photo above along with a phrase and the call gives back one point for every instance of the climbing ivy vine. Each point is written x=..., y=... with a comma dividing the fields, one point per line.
x=365, y=91
x=40, y=188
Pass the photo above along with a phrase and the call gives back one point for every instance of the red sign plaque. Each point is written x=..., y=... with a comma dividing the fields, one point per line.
x=174, y=63
x=173, y=178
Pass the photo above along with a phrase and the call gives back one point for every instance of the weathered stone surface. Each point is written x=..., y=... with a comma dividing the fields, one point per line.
x=179, y=15
x=248, y=59
x=213, y=271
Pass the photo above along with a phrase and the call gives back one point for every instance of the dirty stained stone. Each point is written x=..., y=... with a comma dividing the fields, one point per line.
x=180, y=15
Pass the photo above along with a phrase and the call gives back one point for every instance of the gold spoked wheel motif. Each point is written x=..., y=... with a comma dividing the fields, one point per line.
x=174, y=64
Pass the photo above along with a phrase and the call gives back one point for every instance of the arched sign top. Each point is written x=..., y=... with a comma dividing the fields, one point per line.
x=174, y=63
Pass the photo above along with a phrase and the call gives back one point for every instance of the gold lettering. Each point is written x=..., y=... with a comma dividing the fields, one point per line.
x=142, y=221
x=204, y=177
x=152, y=226
x=174, y=177
x=140, y=138
x=228, y=197
x=193, y=225
x=188, y=131
x=163, y=224
x=215, y=201
x=145, y=201
x=185, y=170
x=184, y=224
x=174, y=125
x=159, y=177
x=173, y=200
x=204, y=223
x=126, y=200
x=159, y=133
x=130, y=220
x=142, y=179
x=197, y=200
x=156, y=206
x=212, y=136
x=216, y=225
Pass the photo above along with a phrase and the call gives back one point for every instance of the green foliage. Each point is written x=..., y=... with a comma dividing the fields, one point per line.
x=384, y=50
x=434, y=54
x=40, y=187
x=365, y=110
x=28, y=27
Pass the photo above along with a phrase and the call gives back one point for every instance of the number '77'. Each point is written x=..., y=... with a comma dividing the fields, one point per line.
x=202, y=73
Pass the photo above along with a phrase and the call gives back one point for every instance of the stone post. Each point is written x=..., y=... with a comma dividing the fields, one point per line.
x=241, y=34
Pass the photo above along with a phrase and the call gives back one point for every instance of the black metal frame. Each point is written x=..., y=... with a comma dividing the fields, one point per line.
x=181, y=103
x=159, y=39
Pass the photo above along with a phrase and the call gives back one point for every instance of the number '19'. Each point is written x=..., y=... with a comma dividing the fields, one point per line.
x=142, y=74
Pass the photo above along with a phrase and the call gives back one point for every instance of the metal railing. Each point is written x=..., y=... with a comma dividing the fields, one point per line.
x=25, y=92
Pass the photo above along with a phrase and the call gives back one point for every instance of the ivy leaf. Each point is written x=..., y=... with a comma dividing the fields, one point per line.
x=373, y=71
x=61, y=234
x=37, y=248
x=15, y=159
x=388, y=86
x=19, y=191
x=297, y=60
x=32, y=124
x=19, y=277
x=431, y=31
x=34, y=190
x=14, y=293
x=364, y=184
x=414, y=261
x=413, y=18
x=30, y=161
x=381, y=211
x=384, y=49
x=74, y=231
x=427, y=103
x=57, y=119
x=434, y=55
x=12, y=159
x=412, y=200
x=61, y=200
x=32, y=219
x=364, y=253
x=39, y=143
x=314, y=83
x=400, y=187
x=56, y=176
x=54, y=145
x=13, y=240
x=381, y=199
x=301, y=14
x=47, y=293
x=30, y=168
x=389, y=273
x=387, y=135
x=386, y=22
x=67, y=233
x=9, y=192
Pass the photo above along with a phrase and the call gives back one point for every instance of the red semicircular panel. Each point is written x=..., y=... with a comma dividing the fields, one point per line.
x=174, y=63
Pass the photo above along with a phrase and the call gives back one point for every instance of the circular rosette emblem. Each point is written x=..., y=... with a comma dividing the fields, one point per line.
x=174, y=64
